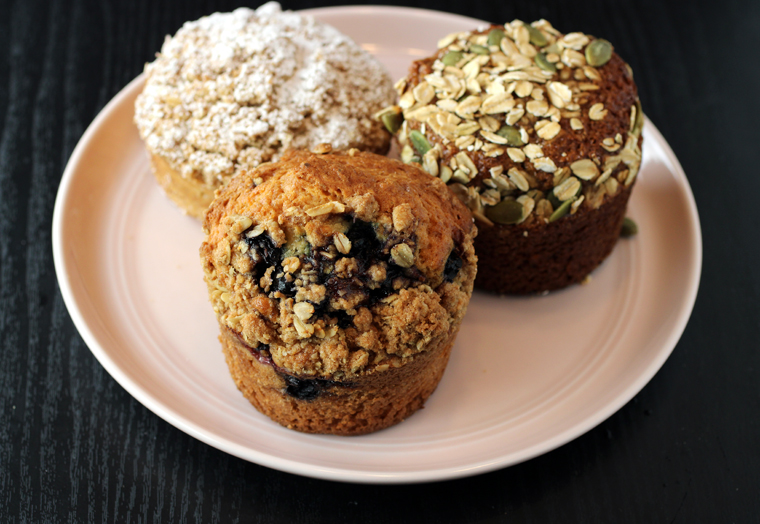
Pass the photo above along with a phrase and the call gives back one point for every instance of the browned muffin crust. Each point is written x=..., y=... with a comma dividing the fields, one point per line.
x=530, y=128
x=335, y=272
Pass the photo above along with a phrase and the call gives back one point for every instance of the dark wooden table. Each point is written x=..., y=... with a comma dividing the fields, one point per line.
x=76, y=447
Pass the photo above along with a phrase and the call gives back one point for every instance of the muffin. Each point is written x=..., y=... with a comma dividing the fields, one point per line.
x=338, y=287
x=233, y=90
x=539, y=133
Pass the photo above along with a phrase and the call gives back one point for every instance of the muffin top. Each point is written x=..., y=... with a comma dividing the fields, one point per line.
x=337, y=264
x=232, y=90
x=525, y=123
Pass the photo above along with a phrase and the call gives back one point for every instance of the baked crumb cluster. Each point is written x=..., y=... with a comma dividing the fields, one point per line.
x=313, y=270
x=523, y=122
x=233, y=90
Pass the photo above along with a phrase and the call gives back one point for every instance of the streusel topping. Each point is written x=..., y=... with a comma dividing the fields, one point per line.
x=338, y=264
x=233, y=90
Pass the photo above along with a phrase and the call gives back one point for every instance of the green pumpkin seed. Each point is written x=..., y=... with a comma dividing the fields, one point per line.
x=479, y=49
x=629, y=228
x=392, y=121
x=505, y=212
x=553, y=200
x=544, y=64
x=562, y=210
x=452, y=58
x=537, y=38
x=598, y=52
x=495, y=36
x=512, y=135
x=420, y=143
x=553, y=48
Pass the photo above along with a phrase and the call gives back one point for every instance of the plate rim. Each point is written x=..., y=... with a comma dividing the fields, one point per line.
x=334, y=473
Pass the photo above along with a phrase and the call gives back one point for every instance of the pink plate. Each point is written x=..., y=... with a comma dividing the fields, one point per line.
x=526, y=376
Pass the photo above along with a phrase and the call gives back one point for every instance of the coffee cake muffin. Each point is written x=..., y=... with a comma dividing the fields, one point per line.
x=539, y=133
x=233, y=90
x=338, y=288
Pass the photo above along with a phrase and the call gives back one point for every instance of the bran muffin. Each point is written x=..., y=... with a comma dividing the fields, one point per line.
x=338, y=290
x=232, y=90
x=539, y=133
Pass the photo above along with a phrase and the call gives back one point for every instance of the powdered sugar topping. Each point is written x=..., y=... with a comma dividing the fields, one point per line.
x=233, y=90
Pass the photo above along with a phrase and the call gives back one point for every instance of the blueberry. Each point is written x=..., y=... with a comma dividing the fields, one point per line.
x=261, y=353
x=305, y=388
x=364, y=243
x=266, y=250
x=344, y=319
x=392, y=272
x=320, y=308
x=453, y=265
x=283, y=286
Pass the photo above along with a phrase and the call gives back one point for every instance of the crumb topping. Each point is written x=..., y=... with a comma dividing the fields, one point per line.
x=523, y=122
x=233, y=90
x=343, y=281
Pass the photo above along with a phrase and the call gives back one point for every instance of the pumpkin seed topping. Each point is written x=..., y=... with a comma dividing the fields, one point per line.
x=537, y=38
x=502, y=94
x=598, y=52
x=561, y=211
x=392, y=121
x=419, y=142
x=629, y=228
x=495, y=36
x=452, y=58
x=508, y=211
x=543, y=63
x=512, y=135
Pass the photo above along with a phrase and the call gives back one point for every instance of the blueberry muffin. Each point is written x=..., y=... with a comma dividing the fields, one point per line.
x=233, y=90
x=339, y=281
x=539, y=133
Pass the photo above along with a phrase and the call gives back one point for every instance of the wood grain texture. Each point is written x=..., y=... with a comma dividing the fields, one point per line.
x=75, y=447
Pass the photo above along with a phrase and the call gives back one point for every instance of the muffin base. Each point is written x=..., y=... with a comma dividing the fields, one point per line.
x=551, y=256
x=366, y=403
x=190, y=195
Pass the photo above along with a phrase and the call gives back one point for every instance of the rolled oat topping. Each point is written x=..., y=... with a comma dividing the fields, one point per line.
x=523, y=122
x=233, y=90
